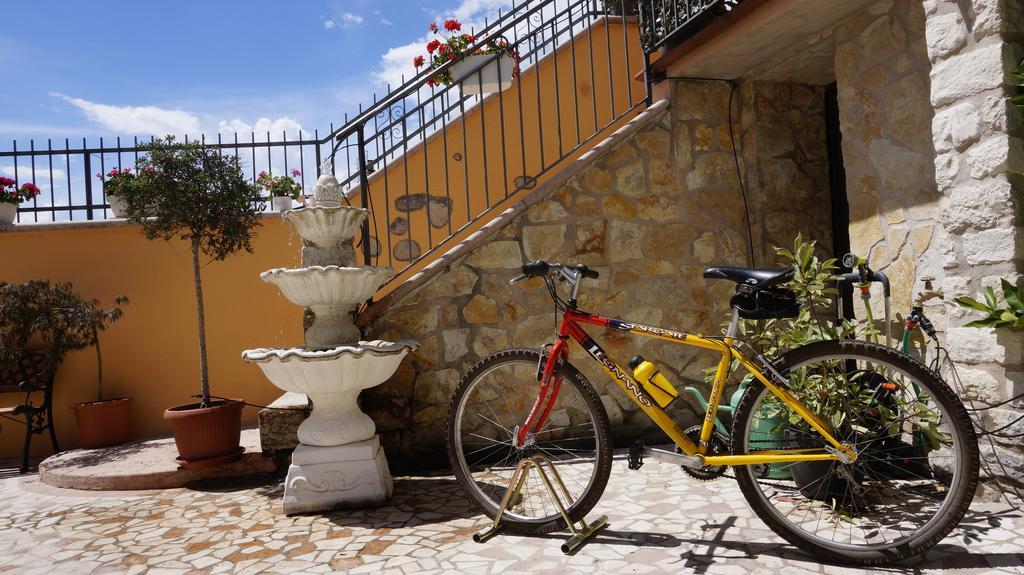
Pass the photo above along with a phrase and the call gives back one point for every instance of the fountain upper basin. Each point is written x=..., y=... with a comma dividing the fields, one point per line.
x=326, y=227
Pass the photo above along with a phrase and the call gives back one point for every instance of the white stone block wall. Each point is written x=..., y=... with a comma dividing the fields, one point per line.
x=979, y=162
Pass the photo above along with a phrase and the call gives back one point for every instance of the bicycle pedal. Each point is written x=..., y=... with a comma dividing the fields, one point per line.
x=635, y=459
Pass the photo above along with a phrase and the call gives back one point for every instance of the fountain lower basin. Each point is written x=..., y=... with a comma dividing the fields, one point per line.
x=332, y=379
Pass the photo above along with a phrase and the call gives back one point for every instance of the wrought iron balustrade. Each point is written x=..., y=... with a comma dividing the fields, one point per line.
x=665, y=23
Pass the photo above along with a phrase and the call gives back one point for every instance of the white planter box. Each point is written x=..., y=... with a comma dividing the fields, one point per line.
x=493, y=77
x=281, y=203
x=118, y=207
x=8, y=211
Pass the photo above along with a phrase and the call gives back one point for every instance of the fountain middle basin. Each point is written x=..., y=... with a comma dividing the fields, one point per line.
x=332, y=379
x=330, y=292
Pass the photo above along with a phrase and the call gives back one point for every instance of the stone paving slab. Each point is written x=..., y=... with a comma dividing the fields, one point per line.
x=145, y=464
x=661, y=521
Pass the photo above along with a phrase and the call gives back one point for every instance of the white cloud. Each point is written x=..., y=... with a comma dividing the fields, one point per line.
x=277, y=128
x=386, y=22
x=397, y=61
x=146, y=120
x=43, y=172
x=343, y=20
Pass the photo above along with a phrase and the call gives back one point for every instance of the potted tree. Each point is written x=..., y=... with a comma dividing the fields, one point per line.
x=106, y=421
x=283, y=190
x=11, y=196
x=194, y=194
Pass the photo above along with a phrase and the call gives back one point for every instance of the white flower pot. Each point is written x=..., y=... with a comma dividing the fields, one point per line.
x=281, y=203
x=118, y=207
x=8, y=211
x=494, y=76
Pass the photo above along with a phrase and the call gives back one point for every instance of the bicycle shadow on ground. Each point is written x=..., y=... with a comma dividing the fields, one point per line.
x=952, y=554
x=608, y=536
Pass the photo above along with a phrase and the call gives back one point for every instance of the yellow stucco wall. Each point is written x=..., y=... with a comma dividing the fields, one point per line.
x=152, y=353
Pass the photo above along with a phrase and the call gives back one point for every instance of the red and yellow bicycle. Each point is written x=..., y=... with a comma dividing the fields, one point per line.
x=872, y=457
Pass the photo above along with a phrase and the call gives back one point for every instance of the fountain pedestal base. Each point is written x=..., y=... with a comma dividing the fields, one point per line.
x=338, y=477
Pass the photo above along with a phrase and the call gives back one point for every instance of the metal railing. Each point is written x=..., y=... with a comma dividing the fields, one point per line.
x=429, y=161
x=665, y=23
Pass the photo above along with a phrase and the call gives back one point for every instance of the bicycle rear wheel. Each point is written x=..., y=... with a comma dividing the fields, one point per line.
x=917, y=456
x=491, y=402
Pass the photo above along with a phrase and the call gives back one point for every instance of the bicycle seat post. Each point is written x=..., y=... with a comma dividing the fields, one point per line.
x=734, y=323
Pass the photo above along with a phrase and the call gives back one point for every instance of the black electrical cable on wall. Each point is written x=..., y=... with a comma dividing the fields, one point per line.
x=733, y=87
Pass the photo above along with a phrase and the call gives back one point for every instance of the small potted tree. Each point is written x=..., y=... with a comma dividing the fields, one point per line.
x=11, y=196
x=283, y=190
x=106, y=421
x=191, y=193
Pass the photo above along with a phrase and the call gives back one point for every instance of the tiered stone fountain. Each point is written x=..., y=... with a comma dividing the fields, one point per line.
x=339, y=461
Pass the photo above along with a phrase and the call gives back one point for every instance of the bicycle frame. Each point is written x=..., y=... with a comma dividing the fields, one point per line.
x=571, y=328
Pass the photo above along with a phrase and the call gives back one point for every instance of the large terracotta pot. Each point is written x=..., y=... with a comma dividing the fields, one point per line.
x=207, y=436
x=104, y=423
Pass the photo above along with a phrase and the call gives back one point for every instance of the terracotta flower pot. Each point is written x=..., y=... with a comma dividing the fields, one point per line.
x=207, y=436
x=104, y=423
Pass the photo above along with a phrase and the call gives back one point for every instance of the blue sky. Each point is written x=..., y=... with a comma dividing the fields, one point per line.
x=118, y=67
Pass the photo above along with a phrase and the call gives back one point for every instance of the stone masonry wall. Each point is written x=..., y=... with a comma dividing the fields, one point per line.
x=882, y=80
x=978, y=171
x=933, y=162
x=650, y=214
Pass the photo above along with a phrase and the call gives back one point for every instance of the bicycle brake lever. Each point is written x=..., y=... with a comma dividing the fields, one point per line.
x=518, y=278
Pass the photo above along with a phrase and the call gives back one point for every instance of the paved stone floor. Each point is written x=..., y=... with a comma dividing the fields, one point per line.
x=660, y=522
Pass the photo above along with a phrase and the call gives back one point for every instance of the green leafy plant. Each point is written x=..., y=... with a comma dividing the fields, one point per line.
x=64, y=320
x=1009, y=313
x=194, y=194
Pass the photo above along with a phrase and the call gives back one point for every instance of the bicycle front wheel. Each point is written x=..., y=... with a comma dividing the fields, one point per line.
x=491, y=403
x=917, y=456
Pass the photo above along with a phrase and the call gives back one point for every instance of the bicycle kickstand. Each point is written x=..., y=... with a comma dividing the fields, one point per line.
x=580, y=534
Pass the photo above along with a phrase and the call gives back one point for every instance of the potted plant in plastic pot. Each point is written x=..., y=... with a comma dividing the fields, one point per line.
x=283, y=190
x=11, y=196
x=106, y=421
x=480, y=68
x=114, y=182
x=191, y=193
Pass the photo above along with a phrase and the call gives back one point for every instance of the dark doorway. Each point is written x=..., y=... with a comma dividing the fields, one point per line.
x=837, y=189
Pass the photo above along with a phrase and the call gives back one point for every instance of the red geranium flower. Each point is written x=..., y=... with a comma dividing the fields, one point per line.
x=418, y=60
x=433, y=45
x=433, y=26
x=6, y=181
x=452, y=25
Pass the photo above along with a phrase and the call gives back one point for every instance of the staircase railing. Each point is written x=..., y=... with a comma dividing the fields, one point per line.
x=429, y=161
